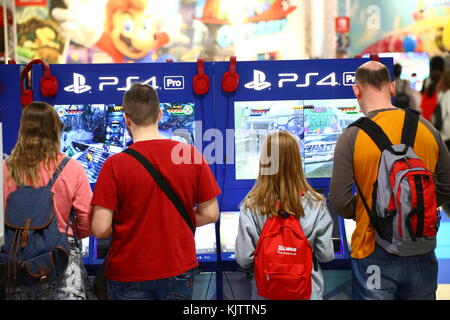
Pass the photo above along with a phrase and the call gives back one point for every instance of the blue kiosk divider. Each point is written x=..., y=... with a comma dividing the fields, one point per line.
x=312, y=99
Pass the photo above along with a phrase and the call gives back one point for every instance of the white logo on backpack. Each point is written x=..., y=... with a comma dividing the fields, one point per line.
x=287, y=250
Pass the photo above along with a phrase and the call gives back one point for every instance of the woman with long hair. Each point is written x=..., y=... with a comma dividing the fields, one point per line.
x=281, y=181
x=32, y=162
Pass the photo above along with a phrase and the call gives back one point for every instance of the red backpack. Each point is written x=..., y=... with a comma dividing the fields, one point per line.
x=283, y=260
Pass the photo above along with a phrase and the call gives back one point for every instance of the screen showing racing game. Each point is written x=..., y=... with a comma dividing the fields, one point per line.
x=229, y=223
x=93, y=132
x=205, y=242
x=316, y=124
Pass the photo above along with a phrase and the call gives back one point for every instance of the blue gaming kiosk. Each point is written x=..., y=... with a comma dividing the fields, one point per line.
x=312, y=99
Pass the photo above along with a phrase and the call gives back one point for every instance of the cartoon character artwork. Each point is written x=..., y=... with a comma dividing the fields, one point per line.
x=38, y=36
x=429, y=32
x=127, y=30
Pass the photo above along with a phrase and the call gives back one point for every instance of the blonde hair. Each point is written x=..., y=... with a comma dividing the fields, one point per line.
x=285, y=185
x=39, y=141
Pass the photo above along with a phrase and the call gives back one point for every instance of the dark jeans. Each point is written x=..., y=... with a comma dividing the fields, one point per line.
x=383, y=276
x=174, y=288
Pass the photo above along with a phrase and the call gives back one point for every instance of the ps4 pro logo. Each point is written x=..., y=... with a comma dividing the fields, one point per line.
x=79, y=85
x=299, y=80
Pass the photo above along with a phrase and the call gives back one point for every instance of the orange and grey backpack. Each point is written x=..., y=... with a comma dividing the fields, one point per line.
x=404, y=211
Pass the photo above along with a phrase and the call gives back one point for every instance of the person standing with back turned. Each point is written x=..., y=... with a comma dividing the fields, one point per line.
x=152, y=253
x=376, y=273
x=36, y=163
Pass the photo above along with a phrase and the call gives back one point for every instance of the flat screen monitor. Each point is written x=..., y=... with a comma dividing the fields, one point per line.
x=85, y=247
x=205, y=243
x=93, y=132
x=316, y=124
x=229, y=222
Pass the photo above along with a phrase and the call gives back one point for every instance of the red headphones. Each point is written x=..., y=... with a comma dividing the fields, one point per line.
x=230, y=79
x=373, y=56
x=48, y=84
x=200, y=82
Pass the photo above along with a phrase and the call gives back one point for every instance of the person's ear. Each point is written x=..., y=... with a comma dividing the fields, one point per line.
x=127, y=120
x=392, y=88
x=357, y=92
x=160, y=115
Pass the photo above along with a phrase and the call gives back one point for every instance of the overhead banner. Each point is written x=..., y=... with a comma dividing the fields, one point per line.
x=123, y=31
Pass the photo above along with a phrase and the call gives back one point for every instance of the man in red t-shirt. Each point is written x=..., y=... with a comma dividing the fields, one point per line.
x=152, y=251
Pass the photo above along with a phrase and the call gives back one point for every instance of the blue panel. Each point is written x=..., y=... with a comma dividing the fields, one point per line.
x=85, y=85
x=296, y=84
x=10, y=107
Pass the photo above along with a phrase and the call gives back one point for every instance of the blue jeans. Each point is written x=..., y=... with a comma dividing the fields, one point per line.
x=384, y=276
x=173, y=288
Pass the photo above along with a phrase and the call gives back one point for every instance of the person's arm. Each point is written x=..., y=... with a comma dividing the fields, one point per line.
x=104, y=201
x=82, y=203
x=341, y=198
x=246, y=240
x=323, y=243
x=206, y=212
x=102, y=222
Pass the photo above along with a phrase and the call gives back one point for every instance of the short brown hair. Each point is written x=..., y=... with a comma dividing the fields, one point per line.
x=377, y=78
x=141, y=104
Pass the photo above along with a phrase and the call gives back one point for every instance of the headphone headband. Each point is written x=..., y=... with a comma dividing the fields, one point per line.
x=28, y=67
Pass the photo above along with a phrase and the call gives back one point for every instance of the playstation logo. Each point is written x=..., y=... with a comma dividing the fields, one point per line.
x=79, y=84
x=259, y=81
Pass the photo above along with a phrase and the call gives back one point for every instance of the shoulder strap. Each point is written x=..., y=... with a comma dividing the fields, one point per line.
x=57, y=172
x=374, y=132
x=410, y=127
x=162, y=183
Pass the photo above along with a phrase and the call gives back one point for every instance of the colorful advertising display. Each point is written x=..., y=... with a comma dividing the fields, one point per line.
x=122, y=31
x=400, y=26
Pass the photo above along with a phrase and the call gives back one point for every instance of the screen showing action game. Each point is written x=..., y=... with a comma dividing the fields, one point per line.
x=93, y=132
x=315, y=123
x=205, y=242
x=229, y=223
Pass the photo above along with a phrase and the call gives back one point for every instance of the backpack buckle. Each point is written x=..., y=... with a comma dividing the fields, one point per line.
x=25, y=233
x=43, y=275
x=24, y=238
